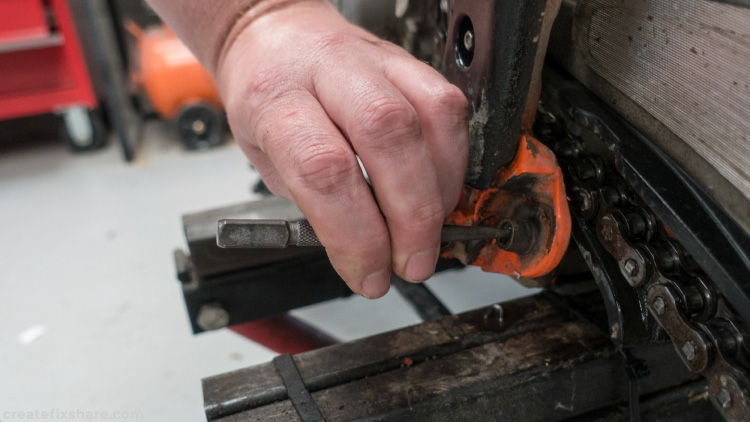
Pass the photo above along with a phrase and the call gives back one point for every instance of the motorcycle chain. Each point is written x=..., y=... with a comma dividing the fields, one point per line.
x=673, y=293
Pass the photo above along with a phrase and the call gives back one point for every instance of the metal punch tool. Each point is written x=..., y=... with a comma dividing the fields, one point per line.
x=242, y=234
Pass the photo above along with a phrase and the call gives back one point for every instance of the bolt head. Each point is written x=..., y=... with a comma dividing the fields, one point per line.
x=724, y=398
x=469, y=40
x=659, y=305
x=688, y=350
x=212, y=316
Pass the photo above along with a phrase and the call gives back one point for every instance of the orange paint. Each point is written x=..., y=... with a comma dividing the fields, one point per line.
x=534, y=181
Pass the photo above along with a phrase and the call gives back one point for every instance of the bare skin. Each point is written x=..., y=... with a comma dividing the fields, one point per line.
x=307, y=93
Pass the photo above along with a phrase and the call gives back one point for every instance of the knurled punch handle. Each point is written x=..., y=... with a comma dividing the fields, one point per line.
x=302, y=234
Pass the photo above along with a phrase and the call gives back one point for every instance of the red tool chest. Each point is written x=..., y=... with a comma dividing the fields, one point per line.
x=42, y=68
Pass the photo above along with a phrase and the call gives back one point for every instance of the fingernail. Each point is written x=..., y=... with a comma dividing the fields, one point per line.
x=376, y=284
x=421, y=265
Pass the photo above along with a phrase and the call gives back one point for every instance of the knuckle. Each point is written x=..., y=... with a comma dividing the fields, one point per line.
x=253, y=105
x=331, y=40
x=326, y=169
x=265, y=83
x=389, y=124
x=384, y=114
x=274, y=122
x=448, y=99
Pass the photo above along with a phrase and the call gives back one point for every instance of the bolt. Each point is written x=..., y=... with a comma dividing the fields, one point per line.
x=688, y=349
x=724, y=398
x=212, y=316
x=659, y=305
x=469, y=40
x=631, y=267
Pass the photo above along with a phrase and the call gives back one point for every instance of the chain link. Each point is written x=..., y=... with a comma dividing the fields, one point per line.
x=707, y=335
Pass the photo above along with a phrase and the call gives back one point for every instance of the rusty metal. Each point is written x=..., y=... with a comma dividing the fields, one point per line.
x=529, y=360
x=526, y=192
x=530, y=194
x=666, y=291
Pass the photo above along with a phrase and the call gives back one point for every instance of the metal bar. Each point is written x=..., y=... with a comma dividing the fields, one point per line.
x=538, y=365
x=421, y=299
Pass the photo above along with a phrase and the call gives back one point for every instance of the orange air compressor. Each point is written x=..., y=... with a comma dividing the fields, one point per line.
x=178, y=86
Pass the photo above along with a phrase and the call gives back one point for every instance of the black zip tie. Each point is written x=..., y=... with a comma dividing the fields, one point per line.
x=301, y=399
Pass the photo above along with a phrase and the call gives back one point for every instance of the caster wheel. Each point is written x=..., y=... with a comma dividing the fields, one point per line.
x=82, y=129
x=200, y=126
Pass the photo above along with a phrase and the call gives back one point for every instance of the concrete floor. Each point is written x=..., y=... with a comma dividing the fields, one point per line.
x=93, y=319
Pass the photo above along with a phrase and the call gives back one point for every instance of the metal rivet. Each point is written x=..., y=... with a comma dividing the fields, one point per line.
x=688, y=349
x=631, y=267
x=659, y=305
x=724, y=398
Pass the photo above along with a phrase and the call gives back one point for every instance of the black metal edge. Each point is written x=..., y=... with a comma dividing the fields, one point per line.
x=265, y=291
x=296, y=389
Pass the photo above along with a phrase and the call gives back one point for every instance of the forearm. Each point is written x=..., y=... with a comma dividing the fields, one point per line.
x=208, y=26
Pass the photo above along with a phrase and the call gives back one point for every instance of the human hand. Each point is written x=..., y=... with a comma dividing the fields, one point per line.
x=306, y=93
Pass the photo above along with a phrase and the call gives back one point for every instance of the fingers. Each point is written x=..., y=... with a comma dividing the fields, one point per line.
x=267, y=171
x=320, y=170
x=443, y=114
x=384, y=130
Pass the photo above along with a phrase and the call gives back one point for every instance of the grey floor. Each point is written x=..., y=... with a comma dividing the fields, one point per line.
x=92, y=316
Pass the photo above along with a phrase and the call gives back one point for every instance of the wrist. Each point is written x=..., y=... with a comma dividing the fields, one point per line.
x=262, y=17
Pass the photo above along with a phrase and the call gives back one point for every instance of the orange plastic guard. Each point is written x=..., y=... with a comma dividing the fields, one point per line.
x=531, y=190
